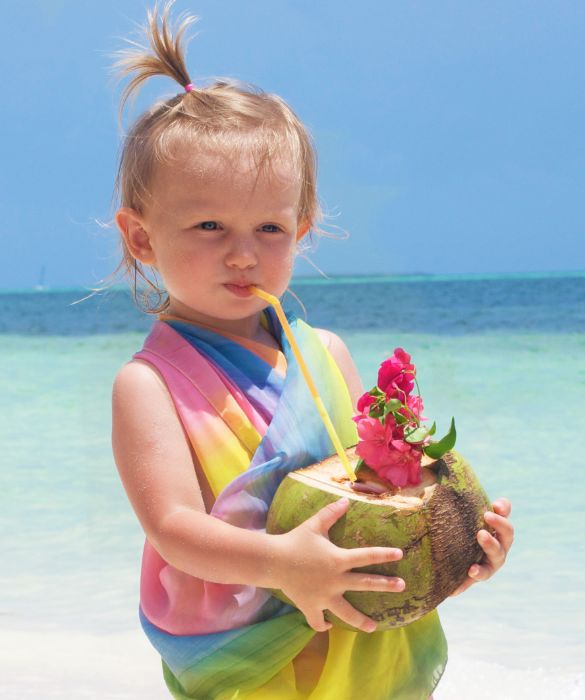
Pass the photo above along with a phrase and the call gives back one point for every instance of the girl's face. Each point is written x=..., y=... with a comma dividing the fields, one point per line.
x=211, y=223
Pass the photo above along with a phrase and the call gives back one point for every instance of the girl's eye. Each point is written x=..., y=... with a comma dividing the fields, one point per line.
x=208, y=225
x=270, y=228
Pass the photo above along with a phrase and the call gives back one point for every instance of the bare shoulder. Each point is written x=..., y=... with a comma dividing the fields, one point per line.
x=140, y=398
x=344, y=360
x=150, y=447
x=137, y=380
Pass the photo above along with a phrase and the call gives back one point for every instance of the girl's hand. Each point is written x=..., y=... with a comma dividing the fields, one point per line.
x=496, y=548
x=316, y=573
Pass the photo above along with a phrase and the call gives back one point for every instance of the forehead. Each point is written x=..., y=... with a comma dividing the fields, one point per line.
x=196, y=175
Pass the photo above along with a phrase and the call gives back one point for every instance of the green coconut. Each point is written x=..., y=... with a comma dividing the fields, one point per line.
x=434, y=523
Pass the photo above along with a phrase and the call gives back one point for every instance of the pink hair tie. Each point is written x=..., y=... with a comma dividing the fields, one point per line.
x=189, y=87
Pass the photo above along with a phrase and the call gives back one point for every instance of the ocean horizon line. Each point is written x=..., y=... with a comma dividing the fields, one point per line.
x=302, y=280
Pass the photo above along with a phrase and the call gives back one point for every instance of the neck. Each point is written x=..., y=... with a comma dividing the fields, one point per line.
x=249, y=327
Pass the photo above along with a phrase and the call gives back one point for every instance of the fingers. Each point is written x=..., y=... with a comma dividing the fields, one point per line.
x=316, y=620
x=481, y=572
x=344, y=560
x=325, y=518
x=372, y=582
x=495, y=556
x=503, y=527
x=495, y=548
x=346, y=612
x=476, y=573
x=366, y=556
x=502, y=506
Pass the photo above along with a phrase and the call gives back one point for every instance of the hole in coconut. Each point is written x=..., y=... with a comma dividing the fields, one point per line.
x=369, y=487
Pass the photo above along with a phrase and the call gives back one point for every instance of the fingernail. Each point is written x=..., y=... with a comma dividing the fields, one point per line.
x=369, y=627
x=343, y=501
x=400, y=585
x=474, y=571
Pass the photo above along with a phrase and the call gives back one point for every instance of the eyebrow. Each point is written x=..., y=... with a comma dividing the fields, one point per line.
x=193, y=207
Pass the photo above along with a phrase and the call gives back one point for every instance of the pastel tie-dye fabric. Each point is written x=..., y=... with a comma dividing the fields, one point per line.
x=251, y=420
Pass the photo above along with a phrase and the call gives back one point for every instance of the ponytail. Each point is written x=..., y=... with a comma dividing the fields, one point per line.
x=166, y=56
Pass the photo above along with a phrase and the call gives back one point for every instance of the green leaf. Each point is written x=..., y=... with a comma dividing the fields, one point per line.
x=437, y=449
x=416, y=435
x=392, y=406
x=360, y=464
x=433, y=428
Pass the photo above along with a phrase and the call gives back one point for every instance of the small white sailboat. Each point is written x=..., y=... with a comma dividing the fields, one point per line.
x=40, y=286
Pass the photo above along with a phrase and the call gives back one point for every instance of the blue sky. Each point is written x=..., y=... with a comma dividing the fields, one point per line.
x=450, y=134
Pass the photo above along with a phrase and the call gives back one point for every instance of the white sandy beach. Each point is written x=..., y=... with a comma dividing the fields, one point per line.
x=123, y=666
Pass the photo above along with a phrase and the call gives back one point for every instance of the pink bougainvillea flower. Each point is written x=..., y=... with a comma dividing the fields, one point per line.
x=396, y=375
x=389, y=371
x=402, y=355
x=383, y=450
x=364, y=402
x=374, y=441
x=400, y=445
x=404, y=469
x=382, y=426
x=415, y=403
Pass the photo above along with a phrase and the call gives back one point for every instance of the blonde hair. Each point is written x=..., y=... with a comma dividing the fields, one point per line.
x=226, y=117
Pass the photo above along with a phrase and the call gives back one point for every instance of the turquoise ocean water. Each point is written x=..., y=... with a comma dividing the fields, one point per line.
x=504, y=355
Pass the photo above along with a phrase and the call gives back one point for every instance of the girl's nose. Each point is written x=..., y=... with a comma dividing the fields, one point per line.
x=242, y=252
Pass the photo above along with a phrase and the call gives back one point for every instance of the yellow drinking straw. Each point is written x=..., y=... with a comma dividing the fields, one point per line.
x=310, y=383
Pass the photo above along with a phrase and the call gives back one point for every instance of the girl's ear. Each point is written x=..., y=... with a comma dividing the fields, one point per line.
x=135, y=235
x=302, y=230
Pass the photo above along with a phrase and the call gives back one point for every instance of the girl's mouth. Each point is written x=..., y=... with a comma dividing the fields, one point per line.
x=238, y=290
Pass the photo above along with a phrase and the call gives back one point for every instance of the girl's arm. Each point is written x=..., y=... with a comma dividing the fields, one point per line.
x=156, y=467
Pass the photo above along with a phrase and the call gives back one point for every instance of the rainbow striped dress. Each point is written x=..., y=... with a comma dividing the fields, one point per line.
x=250, y=419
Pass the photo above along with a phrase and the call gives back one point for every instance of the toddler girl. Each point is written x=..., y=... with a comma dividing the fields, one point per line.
x=217, y=188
